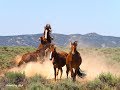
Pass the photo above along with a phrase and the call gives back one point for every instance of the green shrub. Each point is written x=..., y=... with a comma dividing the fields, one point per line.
x=108, y=79
x=37, y=86
x=95, y=85
x=37, y=78
x=15, y=78
x=66, y=84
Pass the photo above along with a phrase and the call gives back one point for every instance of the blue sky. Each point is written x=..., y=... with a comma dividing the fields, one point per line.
x=65, y=16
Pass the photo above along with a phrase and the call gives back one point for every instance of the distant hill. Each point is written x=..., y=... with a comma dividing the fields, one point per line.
x=87, y=40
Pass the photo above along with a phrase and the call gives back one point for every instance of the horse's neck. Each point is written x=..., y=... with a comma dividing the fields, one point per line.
x=56, y=55
x=46, y=33
x=74, y=50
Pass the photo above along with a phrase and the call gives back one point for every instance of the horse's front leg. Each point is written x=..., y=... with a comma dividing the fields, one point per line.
x=71, y=69
x=61, y=72
x=46, y=52
x=67, y=70
x=55, y=72
x=74, y=77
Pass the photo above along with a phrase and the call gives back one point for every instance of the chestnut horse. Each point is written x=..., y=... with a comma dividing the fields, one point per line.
x=27, y=57
x=59, y=60
x=33, y=56
x=73, y=61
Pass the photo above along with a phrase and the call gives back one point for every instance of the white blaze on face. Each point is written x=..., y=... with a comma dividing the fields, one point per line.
x=46, y=34
x=50, y=55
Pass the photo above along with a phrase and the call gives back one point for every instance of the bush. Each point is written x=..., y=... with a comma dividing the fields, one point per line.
x=108, y=79
x=15, y=78
x=66, y=84
x=37, y=82
x=37, y=86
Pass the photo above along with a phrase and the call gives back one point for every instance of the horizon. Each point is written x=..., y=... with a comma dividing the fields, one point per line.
x=56, y=33
x=66, y=17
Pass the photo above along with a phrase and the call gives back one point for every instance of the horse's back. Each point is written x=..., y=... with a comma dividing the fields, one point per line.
x=29, y=57
x=64, y=54
x=61, y=60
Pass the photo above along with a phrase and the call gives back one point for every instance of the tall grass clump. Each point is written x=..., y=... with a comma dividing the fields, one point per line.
x=105, y=81
x=37, y=82
x=66, y=84
x=15, y=78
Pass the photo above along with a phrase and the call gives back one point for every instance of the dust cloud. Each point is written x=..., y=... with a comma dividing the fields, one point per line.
x=92, y=65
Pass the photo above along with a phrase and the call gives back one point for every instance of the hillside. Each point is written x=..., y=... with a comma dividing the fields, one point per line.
x=87, y=40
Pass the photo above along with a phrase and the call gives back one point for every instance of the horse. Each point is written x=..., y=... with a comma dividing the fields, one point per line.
x=33, y=56
x=27, y=57
x=73, y=61
x=47, y=32
x=59, y=60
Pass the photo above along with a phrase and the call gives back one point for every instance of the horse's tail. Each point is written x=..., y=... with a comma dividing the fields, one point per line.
x=80, y=73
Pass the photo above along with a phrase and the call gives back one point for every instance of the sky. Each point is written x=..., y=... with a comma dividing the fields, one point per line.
x=19, y=17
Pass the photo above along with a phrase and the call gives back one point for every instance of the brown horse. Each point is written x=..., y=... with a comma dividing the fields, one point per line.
x=27, y=57
x=33, y=56
x=73, y=61
x=59, y=60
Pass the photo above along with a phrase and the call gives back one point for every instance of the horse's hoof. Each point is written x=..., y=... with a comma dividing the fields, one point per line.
x=83, y=75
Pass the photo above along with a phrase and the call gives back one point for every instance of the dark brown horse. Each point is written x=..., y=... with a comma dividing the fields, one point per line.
x=47, y=32
x=73, y=61
x=59, y=60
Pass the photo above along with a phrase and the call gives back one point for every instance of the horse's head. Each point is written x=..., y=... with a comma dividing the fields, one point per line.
x=48, y=27
x=73, y=47
x=52, y=52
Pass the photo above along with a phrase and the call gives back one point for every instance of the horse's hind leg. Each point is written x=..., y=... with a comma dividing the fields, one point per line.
x=55, y=73
x=61, y=72
x=19, y=64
